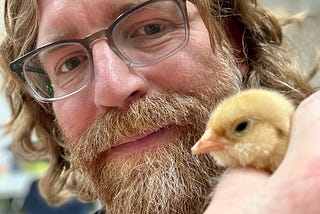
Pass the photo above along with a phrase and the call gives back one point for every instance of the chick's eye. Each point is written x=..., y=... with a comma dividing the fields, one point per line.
x=241, y=127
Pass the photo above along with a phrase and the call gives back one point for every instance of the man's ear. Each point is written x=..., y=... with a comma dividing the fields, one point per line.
x=236, y=37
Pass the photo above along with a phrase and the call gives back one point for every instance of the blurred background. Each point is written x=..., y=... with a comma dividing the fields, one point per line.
x=18, y=177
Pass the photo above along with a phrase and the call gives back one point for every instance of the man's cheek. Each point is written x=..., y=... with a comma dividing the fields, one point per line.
x=73, y=120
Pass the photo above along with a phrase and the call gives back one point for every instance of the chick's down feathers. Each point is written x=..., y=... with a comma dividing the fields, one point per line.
x=248, y=129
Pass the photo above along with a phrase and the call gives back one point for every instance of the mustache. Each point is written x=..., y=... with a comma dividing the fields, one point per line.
x=150, y=113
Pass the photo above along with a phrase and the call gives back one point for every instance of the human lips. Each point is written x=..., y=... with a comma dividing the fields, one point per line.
x=140, y=142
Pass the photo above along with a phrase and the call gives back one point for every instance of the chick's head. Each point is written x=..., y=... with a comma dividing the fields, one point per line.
x=247, y=126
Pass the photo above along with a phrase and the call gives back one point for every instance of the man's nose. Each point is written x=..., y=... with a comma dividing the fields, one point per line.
x=115, y=84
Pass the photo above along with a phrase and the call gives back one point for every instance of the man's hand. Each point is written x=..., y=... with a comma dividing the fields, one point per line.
x=293, y=188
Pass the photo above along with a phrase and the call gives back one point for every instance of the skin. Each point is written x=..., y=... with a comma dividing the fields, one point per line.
x=111, y=74
x=238, y=190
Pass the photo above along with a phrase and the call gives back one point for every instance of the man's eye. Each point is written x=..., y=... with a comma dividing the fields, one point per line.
x=147, y=30
x=72, y=63
x=152, y=29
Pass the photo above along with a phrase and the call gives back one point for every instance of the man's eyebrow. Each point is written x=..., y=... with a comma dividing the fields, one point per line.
x=117, y=10
x=58, y=36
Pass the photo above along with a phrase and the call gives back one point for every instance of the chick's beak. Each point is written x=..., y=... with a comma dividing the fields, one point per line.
x=209, y=142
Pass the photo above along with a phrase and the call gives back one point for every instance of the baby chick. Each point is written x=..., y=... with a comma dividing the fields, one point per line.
x=248, y=129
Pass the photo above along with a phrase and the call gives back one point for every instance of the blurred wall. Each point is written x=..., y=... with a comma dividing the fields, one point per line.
x=306, y=34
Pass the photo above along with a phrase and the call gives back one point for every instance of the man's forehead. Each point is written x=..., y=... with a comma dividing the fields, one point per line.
x=113, y=7
x=58, y=17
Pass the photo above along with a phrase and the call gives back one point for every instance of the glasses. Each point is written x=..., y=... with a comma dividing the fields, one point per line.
x=142, y=36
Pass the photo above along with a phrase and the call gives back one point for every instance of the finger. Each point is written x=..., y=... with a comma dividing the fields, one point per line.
x=304, y=143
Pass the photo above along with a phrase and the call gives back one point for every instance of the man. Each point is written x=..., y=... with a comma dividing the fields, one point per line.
x=117, y=92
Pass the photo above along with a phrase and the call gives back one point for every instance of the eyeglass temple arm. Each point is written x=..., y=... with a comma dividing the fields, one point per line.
x=18, y=69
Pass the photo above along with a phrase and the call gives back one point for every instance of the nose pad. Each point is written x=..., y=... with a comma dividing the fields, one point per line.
x=115, y=83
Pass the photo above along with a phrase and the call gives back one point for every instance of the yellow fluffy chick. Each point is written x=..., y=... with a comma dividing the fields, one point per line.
x=248, y=129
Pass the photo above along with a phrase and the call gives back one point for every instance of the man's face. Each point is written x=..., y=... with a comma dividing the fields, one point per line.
x=130, y=131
